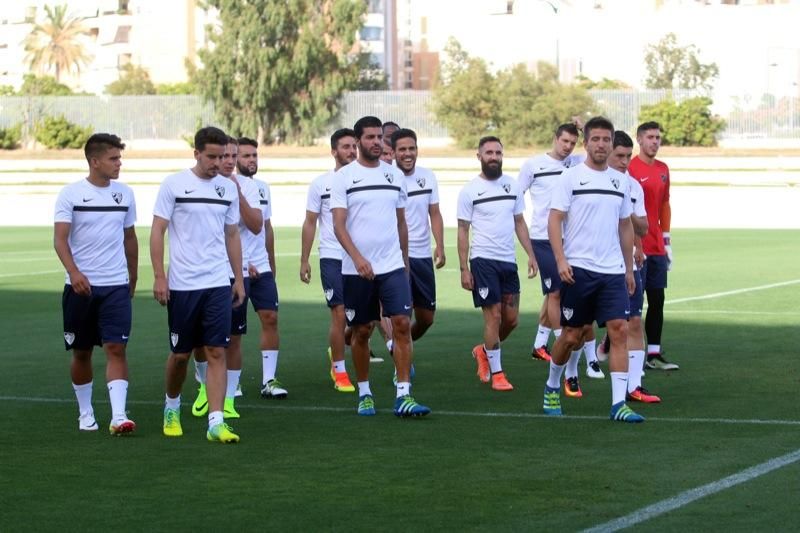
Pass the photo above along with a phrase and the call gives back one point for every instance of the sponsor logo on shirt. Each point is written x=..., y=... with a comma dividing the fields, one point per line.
x=87, y=200
x=188, y=191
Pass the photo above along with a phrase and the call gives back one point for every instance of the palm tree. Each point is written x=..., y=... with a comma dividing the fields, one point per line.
x=56, y=43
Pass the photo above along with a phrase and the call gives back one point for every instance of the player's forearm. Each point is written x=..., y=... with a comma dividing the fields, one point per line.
x=640, y=225
x=307, y=240
x=157, y=253
x=462, y=244
x=522, y=236
x=270, y=243
x=233, y=245
x=555, y=235
x=402, y=232
x=665, y=217
x=252, y=216
x=437, y=228
x=131, y=245
x=65, y=255
x=626, y=242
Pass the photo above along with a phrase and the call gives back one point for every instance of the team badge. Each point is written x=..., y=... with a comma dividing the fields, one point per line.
x=663, y=178
x=507, y=187
x=567, y=312
x=389, y=177
x=483, y=292
x=262, y=193
x=350, y=314
x=117, y=196
x=173, y=337
x=328, y=294
x=69, y=337
x=421, y=182
x=220, y=190
x=615, y=182
x=548, y=282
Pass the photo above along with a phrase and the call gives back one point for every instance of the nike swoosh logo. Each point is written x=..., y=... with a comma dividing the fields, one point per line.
x=227, y=339
x=87, y=200
x=328, y=188
x=124, y=337
x=241, y=327
x=186, y=191
x=584, y=182
x=644, y=179
x=481, y=193
x=406, y=307
x=358, y=181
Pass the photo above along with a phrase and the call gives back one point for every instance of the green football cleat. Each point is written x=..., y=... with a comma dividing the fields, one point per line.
x=172, y=423
x=228, y=410
x=222, y=433
x=200, y=405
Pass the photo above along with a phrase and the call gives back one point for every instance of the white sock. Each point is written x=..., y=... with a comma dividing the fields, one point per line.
x=233, y=382
x=494, y=360
x=200, y=371
x=269, y=363
x=542, y=335
x=338, y=366
x=84, y=395
x=389, y=345
x=214, y=418
x=173, y=403
x=619, y=386
x=653, y=349
x=554, y=379
x=557, y=332
x=635, y=365
x=403, y=388
x=590, y=349
x=572, y=363
x=363, y=388
x=118, y=393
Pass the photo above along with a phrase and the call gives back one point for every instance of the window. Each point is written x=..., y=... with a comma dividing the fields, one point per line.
x=371, y=33
x=122, y=35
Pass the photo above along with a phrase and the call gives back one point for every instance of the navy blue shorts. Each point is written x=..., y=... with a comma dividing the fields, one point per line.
x=363, y=298
x=330, y=274
x=548, y=268
x=264, y=292
x=239, y=314
x=491, y=280
x=423, y=282
x=199, y=318
x=654, y=272
x=594, y=296
x=102, y=317
x=637, y=298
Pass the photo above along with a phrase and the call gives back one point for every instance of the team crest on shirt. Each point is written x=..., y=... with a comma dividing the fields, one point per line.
x=262, y=193
x=389, y=177
x=663, y=178
x=69, y=337
x=328, y=294
x=507, y=187
x=615, y=182
x=220, y=190
x=548, y=282
x=117, y=197
x=350, y=314
x=567, y=312
x=421, y=182
x=173, y=337
x=483, y=292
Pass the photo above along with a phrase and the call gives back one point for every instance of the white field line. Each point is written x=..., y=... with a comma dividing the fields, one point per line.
x=730, y=293
x=692, y=495
x=319, y=408
x=730, y=312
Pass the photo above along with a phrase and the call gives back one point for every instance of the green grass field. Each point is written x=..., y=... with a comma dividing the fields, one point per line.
x=482, y=461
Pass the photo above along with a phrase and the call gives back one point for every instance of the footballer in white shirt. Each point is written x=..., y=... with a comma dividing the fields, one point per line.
x=201, y=211
x=368, y=199
x=95, y=239
x=591, y=235
x=423, y=219
x=318, y=210
x=492, y=204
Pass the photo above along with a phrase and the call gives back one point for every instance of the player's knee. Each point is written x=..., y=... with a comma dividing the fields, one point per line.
x=401, y=325
x=617, y=330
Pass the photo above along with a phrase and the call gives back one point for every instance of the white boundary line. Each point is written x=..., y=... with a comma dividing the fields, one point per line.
x=691, y=495
x=320, y=408
x=730, y=293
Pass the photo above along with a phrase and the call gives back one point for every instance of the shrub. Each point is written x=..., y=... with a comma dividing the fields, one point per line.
x=9, y=137
x=58, y=132
x=686, y=123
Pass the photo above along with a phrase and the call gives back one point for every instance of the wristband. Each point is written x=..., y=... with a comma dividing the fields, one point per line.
x=665, y=235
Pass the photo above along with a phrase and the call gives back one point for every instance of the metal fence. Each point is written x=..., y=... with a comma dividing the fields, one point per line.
x=173, y=117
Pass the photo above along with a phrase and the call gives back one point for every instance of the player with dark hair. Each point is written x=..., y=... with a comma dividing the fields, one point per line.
x=95, y=239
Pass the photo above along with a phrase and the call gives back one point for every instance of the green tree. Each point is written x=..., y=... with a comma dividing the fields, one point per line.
x=132, y=80
x=33, y=85
x=371, y=76
x=277, y=68
x=7, y=90
x=185, y=87
x=58, y=132
x=674, y=66
x=604, y=83
x=55, y=44
x=688, y=123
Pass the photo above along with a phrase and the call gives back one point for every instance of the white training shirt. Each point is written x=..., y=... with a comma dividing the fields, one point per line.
x=198, y=210
x=251, y=195
x=256, y=243
x=371, y=197
x=594, y=202
x=490, y=206
x=97, y=218
x=637, y=201
x=423, y=191
x=319, y=201
x=539, y=175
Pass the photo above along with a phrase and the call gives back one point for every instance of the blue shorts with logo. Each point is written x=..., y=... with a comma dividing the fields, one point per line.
x=491, y=280
x=239, y=314
x=102, y=317
x=330, y=274
x=264, y=292
x=199, y=318
x=548, y=268
x=594, y=296
x=637, y=298
x=654, y=272
x=363, y=298
x=423, y=282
